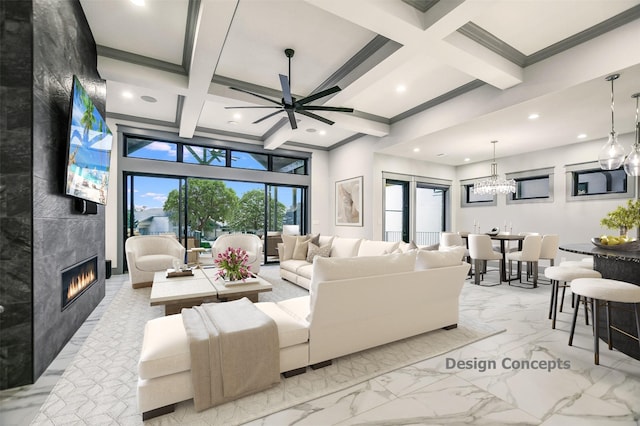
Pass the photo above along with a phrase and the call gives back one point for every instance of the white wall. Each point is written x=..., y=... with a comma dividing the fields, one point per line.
x=574, y=221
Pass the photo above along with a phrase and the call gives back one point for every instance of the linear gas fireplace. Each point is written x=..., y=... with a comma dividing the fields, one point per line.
x=77, y=279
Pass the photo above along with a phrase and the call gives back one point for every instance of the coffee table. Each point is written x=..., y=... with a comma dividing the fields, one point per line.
x=203, y=287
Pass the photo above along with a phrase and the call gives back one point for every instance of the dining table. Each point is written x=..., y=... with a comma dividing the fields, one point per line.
x=503, y=238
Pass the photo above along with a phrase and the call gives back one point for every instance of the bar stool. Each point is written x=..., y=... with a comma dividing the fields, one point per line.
x=577, y=264
x=604, y=290
x=564, y=275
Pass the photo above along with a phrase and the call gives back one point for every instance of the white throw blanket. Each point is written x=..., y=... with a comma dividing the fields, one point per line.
x=234, y=351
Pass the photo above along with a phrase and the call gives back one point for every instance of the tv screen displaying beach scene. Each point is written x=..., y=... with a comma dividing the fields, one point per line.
x=89, y=149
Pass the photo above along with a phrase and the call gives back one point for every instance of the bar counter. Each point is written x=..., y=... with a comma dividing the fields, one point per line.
x=615, y=265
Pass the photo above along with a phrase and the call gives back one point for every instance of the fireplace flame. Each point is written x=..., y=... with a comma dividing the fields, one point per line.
x=80, y=282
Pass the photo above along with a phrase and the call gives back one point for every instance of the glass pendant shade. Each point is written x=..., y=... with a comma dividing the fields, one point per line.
x=632, y=162
x=612, y=153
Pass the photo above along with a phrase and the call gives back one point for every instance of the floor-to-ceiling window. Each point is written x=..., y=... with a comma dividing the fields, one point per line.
x=415, y=208
x=199, y=192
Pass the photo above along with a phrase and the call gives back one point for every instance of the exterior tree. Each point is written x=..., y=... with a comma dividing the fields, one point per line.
x=250, y=212
x=209, y=202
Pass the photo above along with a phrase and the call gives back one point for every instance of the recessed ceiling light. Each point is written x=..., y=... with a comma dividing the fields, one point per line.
x=466, y=160
x=582, y=136
x=311, y=130
x=401, y=88
x=322, y=132
x=149, y=99
x=416, y=149
x=232, y=122
x=533, y=116
x=442, y=154
x=237, y=116
x=138, y=2
x=127, y=95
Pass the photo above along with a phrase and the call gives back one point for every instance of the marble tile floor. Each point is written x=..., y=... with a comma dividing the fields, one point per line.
x=505, y=379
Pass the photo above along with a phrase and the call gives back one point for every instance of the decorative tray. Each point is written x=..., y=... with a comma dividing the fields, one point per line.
x=630, y=246
x=172, y=273
x=240, y=282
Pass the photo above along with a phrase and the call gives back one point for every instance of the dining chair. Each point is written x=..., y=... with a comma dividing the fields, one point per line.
x=453, y=239
x=530, y=253
x=548, y=250
x=480, y=251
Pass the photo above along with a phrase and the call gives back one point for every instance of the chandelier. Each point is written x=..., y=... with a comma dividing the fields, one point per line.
x=494, y=185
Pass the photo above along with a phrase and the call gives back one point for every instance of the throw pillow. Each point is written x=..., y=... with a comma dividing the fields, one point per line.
x=289, y=242
x=301, y=248
x=315, y=250
x=315, y=239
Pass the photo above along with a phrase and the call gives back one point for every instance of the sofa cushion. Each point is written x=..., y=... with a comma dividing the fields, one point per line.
x=314, y=238
x=314, y=250
x=155, y=262
x=331, y=269
x=305, y=270
x=377, y=248
x=298, y=307
x=429, y=259
x=291, y=330
x=292, y=265
x=165, y=348
x=345, y=247
x=325, y=240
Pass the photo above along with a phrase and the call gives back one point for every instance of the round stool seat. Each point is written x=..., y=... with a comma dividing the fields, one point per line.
x=566, y=273
x=576, y=264
x=604, y=289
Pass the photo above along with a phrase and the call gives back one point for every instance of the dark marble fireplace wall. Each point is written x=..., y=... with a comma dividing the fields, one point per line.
x=41, y=235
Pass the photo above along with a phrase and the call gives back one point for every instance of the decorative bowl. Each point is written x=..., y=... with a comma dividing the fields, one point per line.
x=630, y=246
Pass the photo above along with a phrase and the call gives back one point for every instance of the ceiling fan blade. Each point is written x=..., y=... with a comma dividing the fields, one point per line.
x=319, y=95
x=267, y=116
x=247, y=107
x=286, y=89
x=256, y=95
x=292, y=119
x=314, y=116
x=324, y=108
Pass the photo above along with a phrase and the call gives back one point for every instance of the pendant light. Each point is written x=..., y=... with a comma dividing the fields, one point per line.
x=494, y=184
x=632, y=162
x=611, y=155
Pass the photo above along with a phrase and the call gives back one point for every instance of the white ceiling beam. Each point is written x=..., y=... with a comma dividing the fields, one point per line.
x=591, y=60
x=214, y=19
x=279, y=137
x=140, y=75
x=435, y=29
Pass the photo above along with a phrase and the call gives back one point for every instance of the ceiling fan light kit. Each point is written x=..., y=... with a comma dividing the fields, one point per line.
x=291, y=105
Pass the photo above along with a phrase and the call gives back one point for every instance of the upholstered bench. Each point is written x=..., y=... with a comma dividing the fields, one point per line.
x=164, y=368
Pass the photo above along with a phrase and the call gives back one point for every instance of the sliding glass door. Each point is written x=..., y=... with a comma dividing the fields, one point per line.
x=415, y=209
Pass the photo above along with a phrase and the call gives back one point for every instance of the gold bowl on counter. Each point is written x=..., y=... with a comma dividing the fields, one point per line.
x=614, y=243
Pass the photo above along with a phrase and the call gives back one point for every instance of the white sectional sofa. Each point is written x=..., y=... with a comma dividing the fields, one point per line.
x=354, y=303
x=296, y=262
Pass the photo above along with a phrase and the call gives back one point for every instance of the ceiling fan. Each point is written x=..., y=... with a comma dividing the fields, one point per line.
x=291, y=105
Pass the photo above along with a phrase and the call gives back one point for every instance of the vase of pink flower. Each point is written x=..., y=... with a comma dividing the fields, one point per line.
x=232, y=264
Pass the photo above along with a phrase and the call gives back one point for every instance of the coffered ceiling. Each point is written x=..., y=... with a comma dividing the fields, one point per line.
x=445, y=77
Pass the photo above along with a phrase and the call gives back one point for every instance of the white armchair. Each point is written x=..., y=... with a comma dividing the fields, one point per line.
x=148, y=254
x=249, y=242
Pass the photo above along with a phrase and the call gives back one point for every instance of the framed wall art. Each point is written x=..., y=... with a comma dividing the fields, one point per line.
x=349, y=202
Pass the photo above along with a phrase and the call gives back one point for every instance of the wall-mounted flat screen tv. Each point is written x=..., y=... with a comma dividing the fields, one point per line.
x=89, y=149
